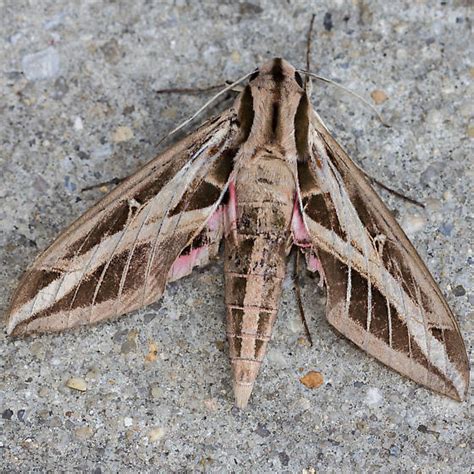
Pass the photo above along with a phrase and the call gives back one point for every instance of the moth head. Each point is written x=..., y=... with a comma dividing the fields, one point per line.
x=275, y=100
x=277, y=71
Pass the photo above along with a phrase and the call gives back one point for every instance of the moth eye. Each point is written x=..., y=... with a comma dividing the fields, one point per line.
x=254, y=75
x=298, y=79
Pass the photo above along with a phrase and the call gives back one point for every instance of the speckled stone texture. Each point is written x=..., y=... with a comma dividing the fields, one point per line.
x=152, y=392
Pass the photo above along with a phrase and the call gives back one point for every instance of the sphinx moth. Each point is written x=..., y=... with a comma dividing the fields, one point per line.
x=264, y=176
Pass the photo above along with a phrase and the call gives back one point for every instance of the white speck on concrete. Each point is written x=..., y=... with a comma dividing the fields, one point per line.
x=301, y=404
x=78, y=125
x=156, y=434
x=448, y=195
x=122, y=134
x=14, y=38
x=44, y=64
x=54, y=21
x=276, y=358
x=102, y=151
x=413, y=223
x=295, y=324
x=373, y=396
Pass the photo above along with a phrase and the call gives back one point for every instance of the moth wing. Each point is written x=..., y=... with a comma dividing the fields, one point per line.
x=152, y=228
x=381, y=296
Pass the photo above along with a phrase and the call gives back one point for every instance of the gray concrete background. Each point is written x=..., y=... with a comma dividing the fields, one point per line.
x=78, y=106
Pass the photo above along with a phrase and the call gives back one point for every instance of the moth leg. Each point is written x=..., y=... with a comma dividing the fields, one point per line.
x=199, y=90
x=393, y=191
x=309, y=40
x=110, y=182
x=396, y=193
x=299, y=301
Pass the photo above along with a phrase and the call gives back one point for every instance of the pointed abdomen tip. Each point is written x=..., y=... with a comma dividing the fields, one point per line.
x=242, y=394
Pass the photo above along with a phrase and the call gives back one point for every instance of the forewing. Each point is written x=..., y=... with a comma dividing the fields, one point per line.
x=154, y=227
x=380, y=294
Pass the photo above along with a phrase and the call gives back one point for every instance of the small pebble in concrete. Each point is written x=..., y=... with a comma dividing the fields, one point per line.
x=312, y=379
x=77, y=383
x=378, y=96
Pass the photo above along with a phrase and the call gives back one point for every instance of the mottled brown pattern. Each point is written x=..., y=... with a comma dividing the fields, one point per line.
x=225, y=164
x=205, y=190
x=39, y=279
x=134, y=279
x=238, y=287
x=206, y=194
x=307, y=183
x=319, y=208
x=118, y=217
x=264, y=323
x=246, y=113
x=242, y=262
x=234, y=322
x=149, y=191
x=115, y=222
x=301, y=124
x=201, y=240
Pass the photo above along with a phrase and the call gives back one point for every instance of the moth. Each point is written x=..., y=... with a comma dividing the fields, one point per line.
x=264, y=176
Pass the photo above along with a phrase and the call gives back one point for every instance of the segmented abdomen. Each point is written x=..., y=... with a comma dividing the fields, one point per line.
x=255, y=264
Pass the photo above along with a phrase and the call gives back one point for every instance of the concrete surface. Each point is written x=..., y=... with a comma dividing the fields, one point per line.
x=78, y=106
